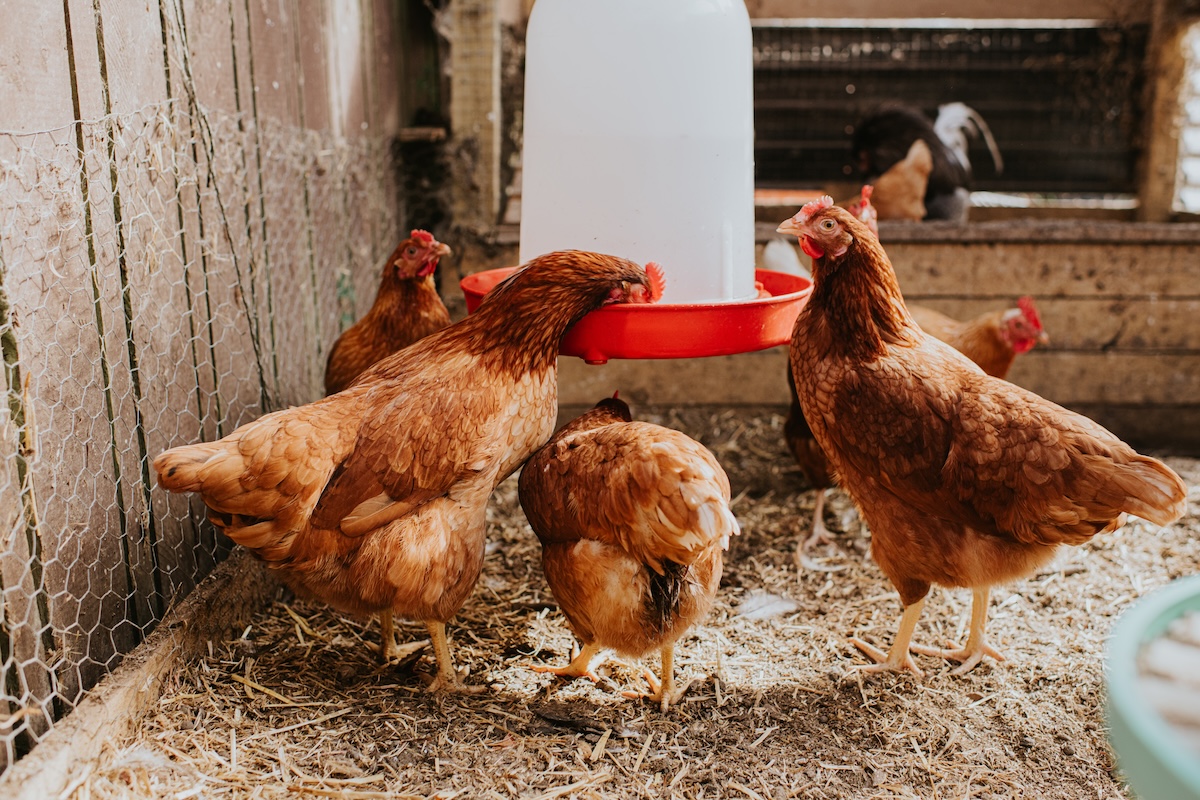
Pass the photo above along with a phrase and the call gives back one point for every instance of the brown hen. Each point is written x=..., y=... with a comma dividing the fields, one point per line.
x=964, y=479
x=373, y=499
x=632, y=518
x=407, y=308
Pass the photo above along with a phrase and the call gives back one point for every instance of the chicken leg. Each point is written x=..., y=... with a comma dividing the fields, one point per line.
x=580, y=666
x=976, y=647
x=818, y=536
x=391, y=650
x=662, y=689
x=447, y=677
x=898, y=658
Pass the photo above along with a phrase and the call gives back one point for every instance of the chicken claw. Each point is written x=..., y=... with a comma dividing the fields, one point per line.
x=883, y=661
x=665, y=695
x=969, y=654
x=977, y=646
x=662, y=691
x=580, y=666
x=898, y=658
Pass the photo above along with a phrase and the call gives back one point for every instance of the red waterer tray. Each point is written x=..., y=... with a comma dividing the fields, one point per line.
x=680, y=330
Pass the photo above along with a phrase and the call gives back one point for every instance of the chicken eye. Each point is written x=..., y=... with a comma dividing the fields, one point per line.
x=828, y=224
x=411, y=251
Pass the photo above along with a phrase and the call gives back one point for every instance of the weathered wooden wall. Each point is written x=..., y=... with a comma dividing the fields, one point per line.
x=193, y=194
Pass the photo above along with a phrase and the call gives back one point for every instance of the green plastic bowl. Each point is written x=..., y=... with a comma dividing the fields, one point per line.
x=1156, y=765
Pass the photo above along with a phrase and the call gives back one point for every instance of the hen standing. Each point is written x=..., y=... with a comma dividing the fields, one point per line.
x=373, y=499
x=407, y=308
x=632, y=518
x=992, y=340
x=964, y=479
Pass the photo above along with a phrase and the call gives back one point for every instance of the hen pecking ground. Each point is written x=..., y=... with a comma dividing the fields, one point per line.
x=296, y=705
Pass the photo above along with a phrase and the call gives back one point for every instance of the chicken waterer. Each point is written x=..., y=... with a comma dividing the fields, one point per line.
x=639, y=142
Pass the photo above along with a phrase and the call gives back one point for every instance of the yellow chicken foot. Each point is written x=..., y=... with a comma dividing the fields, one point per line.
x=580, y=666
x=447, y=677
x=898, y=658
x=389, y=649
x=662, y=691
x=976, y=647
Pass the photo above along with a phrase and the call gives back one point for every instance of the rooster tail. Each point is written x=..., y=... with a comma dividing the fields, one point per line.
x=958, y=121
x=1154, y=492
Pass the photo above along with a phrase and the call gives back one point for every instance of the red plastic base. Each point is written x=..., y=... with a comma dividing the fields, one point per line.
x=675, y=330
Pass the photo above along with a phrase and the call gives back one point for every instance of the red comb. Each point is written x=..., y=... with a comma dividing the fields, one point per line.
x=615, y=394
x=424, y=237
x=867, y=190
x=812, y=207
x=1030, y=311
x=658, y=281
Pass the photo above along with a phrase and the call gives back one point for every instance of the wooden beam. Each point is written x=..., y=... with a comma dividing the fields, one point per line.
x=475, y=114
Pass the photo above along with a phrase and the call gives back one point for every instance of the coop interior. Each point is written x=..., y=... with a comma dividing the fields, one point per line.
x=196, y=201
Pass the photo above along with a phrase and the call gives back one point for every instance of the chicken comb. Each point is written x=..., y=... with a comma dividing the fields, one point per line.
x=615, y=393
x=658, y=281
x=424, y=237
x=1030, y=311
x=813, y=206
x=867, y=191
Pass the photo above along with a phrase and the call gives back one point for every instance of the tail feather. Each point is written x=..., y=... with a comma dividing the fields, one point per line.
x=956, y=122
x=1155, y=492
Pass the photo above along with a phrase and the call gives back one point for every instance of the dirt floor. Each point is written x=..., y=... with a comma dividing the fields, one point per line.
x=297, y=705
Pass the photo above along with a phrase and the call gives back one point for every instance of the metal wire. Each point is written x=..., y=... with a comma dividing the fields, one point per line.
x=166, y=274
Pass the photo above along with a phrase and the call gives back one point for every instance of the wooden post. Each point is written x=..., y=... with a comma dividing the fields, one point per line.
x=475, y=116
x=1166, y=75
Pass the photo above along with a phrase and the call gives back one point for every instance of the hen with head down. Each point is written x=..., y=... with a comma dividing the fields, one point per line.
x=373, y=499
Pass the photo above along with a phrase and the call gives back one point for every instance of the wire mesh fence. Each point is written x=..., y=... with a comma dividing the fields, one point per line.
x=1062, y=97
x=167, y=273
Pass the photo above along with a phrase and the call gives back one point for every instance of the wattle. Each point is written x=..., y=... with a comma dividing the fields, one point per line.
x=810, y=249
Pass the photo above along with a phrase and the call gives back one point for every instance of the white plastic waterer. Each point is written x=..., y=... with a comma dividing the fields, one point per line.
x=639, y=139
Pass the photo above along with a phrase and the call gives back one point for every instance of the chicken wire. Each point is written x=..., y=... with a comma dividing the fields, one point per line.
x=1062, y=99
x=165, y=275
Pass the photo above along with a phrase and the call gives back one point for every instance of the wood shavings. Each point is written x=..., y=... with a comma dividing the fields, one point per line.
x=773, y=712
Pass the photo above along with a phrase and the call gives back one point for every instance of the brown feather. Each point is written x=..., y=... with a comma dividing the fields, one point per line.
x=632, y=518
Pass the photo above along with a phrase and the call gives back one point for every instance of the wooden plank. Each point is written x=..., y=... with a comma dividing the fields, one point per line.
x=229, y=300
x=218, y=610
x=1003, y=269
x=1069, y=379
x=1087, y=324
x=1163, y=430
x=158, y=522
x=325, y=179
x=39, y=175
x=747, y=379
x=281, y=163
x=1072, y=379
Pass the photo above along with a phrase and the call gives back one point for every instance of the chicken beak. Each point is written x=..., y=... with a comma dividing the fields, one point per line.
x=1043, y=338
x=789, y=226
x=442, y=250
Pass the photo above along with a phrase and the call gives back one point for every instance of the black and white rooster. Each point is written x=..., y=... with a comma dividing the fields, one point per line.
x=885, y=136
